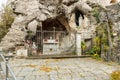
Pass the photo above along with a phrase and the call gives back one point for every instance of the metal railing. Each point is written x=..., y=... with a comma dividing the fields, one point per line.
x=51, y=41
x=8, y=68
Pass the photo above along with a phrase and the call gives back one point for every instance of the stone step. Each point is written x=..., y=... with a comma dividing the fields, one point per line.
x=56, y=56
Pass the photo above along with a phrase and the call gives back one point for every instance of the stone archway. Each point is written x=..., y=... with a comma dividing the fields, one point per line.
x=27, y=11
x=50, y=34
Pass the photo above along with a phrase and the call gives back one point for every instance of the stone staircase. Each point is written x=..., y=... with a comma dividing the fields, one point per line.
x=57, y=56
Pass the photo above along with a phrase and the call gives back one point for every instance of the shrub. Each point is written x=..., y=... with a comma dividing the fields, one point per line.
x=96, y=14
x=96, y=56
x=7, y=19
x=115, y=75
x=83, y=46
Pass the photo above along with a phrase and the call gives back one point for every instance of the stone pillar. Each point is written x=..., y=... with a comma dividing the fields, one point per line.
x=78, y=43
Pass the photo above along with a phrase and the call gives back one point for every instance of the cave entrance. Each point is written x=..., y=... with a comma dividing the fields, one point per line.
x=49, y=37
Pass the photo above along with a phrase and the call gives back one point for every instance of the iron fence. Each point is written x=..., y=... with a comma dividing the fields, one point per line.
x=7, y=70
x=52, y=42
x=49, y=42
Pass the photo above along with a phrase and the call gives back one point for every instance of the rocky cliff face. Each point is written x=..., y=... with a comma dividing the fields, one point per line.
x=35, y=12
x=112, y=15
x=32, y=13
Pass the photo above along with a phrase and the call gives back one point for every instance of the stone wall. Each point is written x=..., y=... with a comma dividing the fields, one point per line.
x=31, y=13
x=112, y=15
x=35, y=12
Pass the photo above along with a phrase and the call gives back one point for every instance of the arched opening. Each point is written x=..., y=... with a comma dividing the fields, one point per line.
x=49, y=36
x=49, y=25
x=78, y=14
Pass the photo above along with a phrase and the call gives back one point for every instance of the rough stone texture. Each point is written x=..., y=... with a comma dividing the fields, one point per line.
x=32, y=26
x=33, y=12
x=113, y=12
x=28, y=11
x=101, y=2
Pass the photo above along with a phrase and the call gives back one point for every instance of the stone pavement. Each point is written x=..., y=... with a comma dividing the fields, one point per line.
x=62, y=69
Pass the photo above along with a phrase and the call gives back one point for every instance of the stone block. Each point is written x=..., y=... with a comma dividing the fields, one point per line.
x=22, y=52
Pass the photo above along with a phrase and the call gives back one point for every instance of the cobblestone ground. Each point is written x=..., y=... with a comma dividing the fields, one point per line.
x=62, y=69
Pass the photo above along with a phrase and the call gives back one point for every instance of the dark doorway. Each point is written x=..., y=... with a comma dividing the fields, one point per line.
x=49, y=36
x=77, y=15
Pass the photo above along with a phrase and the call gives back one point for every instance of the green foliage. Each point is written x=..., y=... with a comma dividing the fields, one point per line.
x=115, y=75
x=102, y=33
x=119, y=38
x=83, y=46
x=101, y=29
x=94, y=50
x=100, y=39
x=7, y=16
x=101, y=43
x=105, y=48
x=104, y=39
x=7, y=19
x=96, y=56
x=96, y=14
x=97, y=41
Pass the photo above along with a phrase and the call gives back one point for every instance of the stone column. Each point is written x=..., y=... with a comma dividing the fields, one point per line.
x=78, y=43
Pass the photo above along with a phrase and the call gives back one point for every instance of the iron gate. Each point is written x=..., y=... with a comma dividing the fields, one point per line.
x=49, y=42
